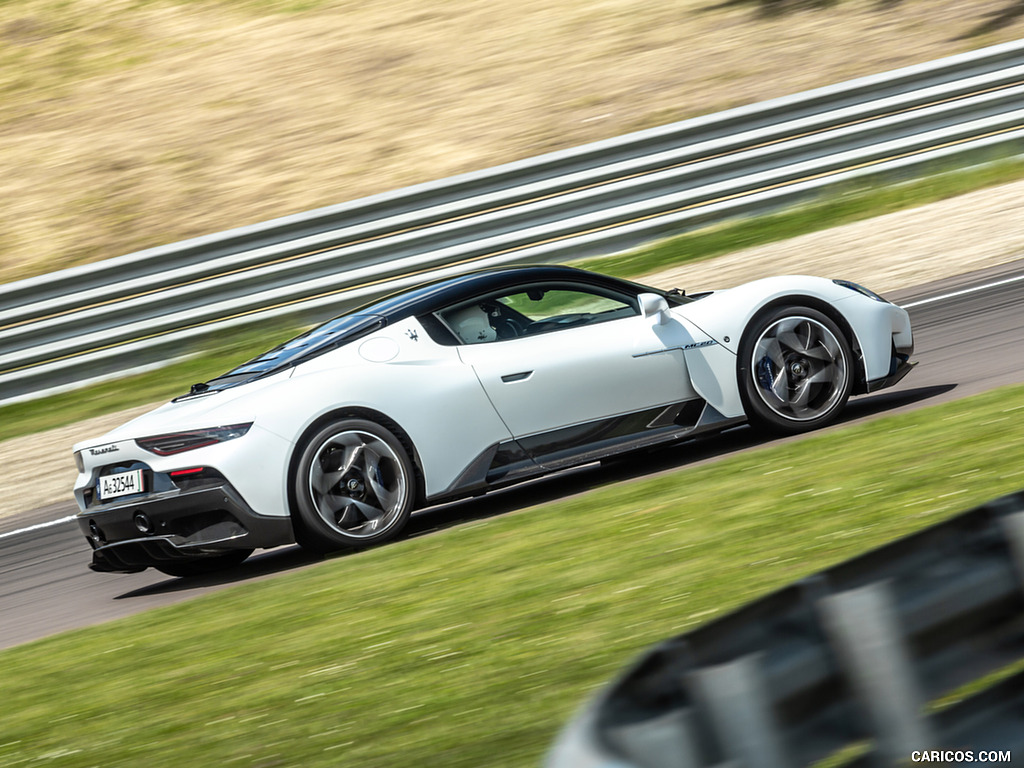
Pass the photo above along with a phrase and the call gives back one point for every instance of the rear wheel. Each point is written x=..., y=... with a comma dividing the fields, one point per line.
x=795, y=370
x=200, y=566
x=354, y=486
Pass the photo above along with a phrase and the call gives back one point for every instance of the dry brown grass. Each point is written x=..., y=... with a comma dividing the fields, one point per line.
x=130, y=124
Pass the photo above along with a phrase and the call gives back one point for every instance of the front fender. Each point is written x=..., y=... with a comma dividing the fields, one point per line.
x=724, y=315
x=872, y=326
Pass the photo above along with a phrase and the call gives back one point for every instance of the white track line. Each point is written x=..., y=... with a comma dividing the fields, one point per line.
x=37, y=527
x=964, y=292
x=932, y=300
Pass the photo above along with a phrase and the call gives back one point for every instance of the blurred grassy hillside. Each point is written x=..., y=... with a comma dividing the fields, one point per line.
x=133, y=123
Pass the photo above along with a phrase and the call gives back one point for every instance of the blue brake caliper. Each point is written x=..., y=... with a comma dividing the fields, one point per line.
x=765, y=373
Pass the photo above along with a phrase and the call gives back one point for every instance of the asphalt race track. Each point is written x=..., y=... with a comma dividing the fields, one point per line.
x=969, y=335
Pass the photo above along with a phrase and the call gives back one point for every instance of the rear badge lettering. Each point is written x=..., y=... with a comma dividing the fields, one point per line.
x=104, y=449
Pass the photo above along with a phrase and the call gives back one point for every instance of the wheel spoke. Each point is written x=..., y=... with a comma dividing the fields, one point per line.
x=819, y=353
x=773, y=351
x=780, y=384
x=330, y=503
x=367, y=511
x=801, y=397
x=827, y=373
x=388, y=497
x=351, y=457
x=323, y=481
x=349, y=516
x=790, y=340
x=348, y=512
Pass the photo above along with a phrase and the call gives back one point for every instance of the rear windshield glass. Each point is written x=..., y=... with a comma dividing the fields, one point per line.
x=331, y=335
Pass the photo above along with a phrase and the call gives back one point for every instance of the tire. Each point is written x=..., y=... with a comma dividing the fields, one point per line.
x=354, y=486
x=795, y=370
x=200, y=566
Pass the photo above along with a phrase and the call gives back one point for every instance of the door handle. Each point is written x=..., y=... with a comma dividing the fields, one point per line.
x=508, y=378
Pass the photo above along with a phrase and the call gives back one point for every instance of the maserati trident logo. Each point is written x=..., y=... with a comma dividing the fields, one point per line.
x=104, y=449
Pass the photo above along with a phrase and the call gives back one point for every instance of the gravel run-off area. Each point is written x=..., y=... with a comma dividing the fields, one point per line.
x=963, y=234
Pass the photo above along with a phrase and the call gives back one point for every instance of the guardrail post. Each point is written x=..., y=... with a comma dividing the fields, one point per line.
x=863, y=626
x=735, y=696
x=1013, y=527
x=667, y=741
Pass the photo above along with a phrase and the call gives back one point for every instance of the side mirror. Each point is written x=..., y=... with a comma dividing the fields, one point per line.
x=654, y=306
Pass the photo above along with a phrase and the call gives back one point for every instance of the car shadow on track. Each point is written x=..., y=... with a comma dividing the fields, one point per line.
x=257, y=566
x=890, y=400
x=552, y=487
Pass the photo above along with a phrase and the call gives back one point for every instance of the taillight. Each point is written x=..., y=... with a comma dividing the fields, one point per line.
x=190, y=472
x=179, y=442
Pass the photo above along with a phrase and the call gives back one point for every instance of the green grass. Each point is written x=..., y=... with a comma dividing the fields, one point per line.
x=852, y=203
x=472, y=646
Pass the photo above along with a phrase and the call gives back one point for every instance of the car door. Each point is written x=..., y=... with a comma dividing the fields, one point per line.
x=566, y=365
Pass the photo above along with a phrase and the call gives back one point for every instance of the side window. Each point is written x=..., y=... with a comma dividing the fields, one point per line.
x=555, y=304
x=533, y=310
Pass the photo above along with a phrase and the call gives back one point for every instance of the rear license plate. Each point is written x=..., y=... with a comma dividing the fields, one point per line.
x=121, y=484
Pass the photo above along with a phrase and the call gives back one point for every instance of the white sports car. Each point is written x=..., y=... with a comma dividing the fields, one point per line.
x=460, y=386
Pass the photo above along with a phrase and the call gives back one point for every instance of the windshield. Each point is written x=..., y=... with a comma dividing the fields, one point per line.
x=331, y=335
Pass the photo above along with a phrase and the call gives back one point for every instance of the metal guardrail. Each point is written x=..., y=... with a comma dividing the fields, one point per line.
x=841, y=662
x=89, y=321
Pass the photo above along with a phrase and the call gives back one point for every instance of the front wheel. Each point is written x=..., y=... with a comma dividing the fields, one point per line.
x=354, y=486
x=795, y=370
